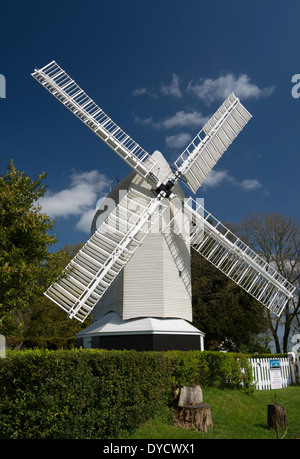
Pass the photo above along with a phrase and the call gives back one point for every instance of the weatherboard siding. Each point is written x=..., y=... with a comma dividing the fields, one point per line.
x=143, y=280
x=156, y=282
x=177, y=277
x=153, y=286
x=112, y=299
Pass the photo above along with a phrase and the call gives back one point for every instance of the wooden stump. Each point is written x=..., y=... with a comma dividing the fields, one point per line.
x=198, y=416
x=190, y=411
x=276, y=417
x=187, y=395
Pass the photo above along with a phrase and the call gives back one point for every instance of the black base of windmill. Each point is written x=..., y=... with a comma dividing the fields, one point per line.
x=141, y=334
x=144, y=342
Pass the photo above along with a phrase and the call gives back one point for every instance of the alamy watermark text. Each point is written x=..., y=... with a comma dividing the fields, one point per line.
x=296, y=87
x=2, y=87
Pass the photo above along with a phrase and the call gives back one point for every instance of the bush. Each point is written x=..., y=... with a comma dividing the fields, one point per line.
x=209, y=368
x=79, y=394
x=101, y=394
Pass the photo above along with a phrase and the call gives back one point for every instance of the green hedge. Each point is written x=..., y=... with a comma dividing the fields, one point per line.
x=101, y=394
x=210, y=368
x=79, y=394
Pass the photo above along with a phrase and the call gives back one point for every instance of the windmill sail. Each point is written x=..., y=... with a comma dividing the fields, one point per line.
x=93, y=269
x=228, y=253
x=212, y=141
x=61, y=85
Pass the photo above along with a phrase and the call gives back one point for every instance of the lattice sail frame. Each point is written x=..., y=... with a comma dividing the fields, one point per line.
x=233, y=257
x=207, y=147
x=64, y=88
x=93, y=269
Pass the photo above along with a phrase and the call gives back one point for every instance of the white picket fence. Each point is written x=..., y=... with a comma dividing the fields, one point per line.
x=289, y=369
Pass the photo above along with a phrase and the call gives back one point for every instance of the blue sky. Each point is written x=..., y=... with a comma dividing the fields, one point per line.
x=158, y=69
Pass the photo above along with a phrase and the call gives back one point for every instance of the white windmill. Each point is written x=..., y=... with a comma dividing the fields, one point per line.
x=134, y=271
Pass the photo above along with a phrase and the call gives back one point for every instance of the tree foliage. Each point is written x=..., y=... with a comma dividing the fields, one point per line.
x=231, y=318
x=27, y=267
x=24, y=240
x=276, y=238
x=45, y=324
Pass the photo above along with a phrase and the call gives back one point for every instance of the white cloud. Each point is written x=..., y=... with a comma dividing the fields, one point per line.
x=145, y=121
x=173, y=88
x=210, y=90
x=249, y=184
x=217, y=178
x=85, y=221
x=180, y=119
x=143, y=92
x=178, y=140
x=139, y=92
x=185, y=119
x=79, y=199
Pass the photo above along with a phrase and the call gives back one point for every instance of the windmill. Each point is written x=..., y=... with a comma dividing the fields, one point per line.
x=134, y=271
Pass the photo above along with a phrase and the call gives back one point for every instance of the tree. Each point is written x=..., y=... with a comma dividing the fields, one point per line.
x=24, y=241
x=277, y=239
x=229, y=316
x=45, y=324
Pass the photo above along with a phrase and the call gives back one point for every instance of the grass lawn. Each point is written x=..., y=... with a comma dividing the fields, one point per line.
x=235, y=415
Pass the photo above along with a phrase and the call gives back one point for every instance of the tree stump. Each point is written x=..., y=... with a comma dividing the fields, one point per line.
x=276, y=417
x=190, y=411
x=198, y=416
x=187, y=395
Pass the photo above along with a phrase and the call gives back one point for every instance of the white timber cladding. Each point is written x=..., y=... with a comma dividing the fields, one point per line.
x=177, y=277
x=143, y=281
x=112, y=299
x=156, y=282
